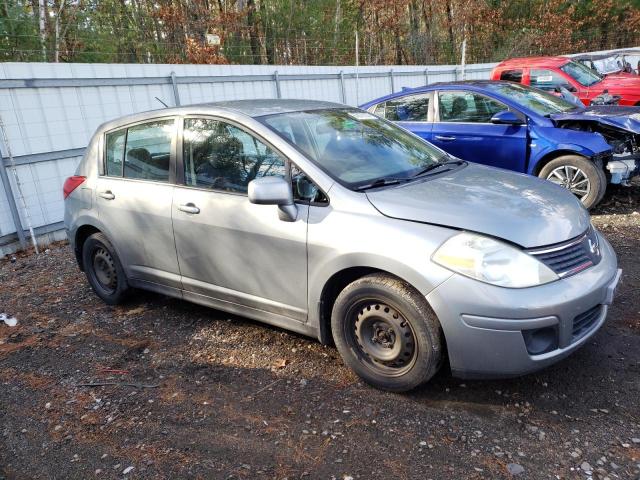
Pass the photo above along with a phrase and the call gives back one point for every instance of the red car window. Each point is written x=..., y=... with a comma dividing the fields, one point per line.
x=511, y=75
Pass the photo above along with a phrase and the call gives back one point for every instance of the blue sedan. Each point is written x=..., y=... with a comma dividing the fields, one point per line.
x=507, y=125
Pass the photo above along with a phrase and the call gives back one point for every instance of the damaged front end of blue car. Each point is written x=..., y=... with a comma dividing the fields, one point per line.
x=620, y=126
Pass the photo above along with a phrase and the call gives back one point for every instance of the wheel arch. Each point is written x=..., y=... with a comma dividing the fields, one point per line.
x=330, y=291
x=544, y=160
x=82, y=233
x=87, y=226
x=343, y=277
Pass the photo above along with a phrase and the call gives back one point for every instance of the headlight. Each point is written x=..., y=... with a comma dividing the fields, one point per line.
x=491, y=261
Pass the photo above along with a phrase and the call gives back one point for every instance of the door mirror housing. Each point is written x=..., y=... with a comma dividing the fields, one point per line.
x=274, y=191
x=506, y=117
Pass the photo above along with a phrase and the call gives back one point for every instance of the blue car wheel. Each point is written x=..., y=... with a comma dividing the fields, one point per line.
x=585, y=179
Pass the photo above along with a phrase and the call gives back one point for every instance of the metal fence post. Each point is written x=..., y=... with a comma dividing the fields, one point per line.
x=176, y=94
x=12, y=203
x=426, y=76
x=342, y=90
x=393, y=87
x=276, y=78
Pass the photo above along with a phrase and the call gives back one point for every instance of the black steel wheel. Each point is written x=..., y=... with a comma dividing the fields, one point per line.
x=104, y=271
x=381, y=337
x=387, y=333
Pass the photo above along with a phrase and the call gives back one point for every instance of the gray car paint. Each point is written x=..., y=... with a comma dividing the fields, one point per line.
x=265, y=274
x=488, y=200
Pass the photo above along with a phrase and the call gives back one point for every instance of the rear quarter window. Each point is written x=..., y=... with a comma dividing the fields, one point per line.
x=114, y=152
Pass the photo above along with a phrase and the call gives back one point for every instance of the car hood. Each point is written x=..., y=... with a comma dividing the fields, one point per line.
x=515, y=207
x=627, y=118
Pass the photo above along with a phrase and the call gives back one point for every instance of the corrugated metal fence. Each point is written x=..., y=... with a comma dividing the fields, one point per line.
x=50, y=111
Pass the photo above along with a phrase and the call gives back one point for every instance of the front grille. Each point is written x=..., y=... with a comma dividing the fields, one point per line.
x=583, y=322
x=571, y=257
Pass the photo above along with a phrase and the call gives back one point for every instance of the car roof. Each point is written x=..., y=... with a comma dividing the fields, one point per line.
x=476, y=85
x=252, y=108
x=534, y=62
x=261, y=107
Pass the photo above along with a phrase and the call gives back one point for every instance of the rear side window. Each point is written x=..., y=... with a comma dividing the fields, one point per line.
x=148, y=151
x=511, y=75
x=410, y=108
x=142, y=151
x=114, y=146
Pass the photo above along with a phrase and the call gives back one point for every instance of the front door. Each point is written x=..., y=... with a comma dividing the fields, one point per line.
x=463, y=128
x=229, y=249
x=134, y=199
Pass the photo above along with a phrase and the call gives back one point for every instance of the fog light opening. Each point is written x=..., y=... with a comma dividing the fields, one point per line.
x=541, y=340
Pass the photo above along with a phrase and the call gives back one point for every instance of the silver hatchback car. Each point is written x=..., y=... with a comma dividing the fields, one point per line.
x=329, y=221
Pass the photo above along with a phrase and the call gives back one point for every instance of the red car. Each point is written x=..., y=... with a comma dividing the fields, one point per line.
x=550, y=73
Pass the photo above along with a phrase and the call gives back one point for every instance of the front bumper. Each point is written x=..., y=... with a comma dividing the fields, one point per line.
x=484, y=324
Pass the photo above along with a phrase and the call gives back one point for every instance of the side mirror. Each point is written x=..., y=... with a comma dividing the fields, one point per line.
x=274, y=191
x=506, y=117
x=571, y=88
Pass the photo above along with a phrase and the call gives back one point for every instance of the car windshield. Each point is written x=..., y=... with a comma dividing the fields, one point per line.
x=355, y=147
x=541, y=102
x=581, y=74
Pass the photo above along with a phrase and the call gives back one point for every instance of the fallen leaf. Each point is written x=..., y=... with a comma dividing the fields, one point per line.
x=281, y=363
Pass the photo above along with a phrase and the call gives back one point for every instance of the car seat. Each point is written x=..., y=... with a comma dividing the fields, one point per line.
x=458, y=108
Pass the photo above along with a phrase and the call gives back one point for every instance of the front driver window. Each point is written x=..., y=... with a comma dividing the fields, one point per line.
x=221, y=156
x=547, y=80
x=468, y=107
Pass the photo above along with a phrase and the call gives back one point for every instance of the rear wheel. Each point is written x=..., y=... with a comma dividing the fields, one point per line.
x=387, y=333
x=585, y=179
x=103, y=269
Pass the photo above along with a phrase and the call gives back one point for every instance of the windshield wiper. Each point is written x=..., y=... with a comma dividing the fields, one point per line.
x=385, y=181
x=433, y=166
x=381, y=182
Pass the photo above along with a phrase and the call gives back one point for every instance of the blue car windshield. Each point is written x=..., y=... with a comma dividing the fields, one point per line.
x=581, y=73
x=541, y=102
x=355, y=147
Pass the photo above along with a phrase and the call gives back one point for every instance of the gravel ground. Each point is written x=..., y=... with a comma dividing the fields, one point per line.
x=196, y=393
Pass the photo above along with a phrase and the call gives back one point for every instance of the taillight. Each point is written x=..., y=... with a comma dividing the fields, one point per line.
x=71, y=183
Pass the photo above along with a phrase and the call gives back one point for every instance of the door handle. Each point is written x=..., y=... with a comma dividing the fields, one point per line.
x=107, y=195
x=444, y=138
x=189, y=208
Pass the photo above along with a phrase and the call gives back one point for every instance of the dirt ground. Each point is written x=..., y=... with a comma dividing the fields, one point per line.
x=197, y=393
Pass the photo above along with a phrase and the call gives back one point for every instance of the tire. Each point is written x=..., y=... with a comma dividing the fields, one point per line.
x=104, y=270
x=579, y=169
x=368, y=320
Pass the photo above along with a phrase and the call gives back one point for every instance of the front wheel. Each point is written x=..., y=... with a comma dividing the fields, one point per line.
x=585, y=179
x=386, y=332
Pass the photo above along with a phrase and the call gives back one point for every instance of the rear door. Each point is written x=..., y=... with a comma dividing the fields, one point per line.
x=412, y=111
x=134, y=194
x=462, y=126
